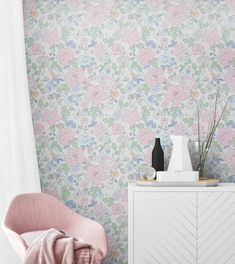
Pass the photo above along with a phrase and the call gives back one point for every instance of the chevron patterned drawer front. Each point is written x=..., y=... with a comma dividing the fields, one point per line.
x=216, y=228
x=181, y=225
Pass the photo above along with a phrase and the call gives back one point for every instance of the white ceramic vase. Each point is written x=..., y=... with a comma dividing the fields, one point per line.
x=180, y=158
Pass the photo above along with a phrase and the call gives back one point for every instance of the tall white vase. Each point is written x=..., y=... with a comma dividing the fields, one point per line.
x=180, y=158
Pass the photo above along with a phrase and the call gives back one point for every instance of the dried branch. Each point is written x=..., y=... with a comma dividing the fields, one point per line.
x=204, y=146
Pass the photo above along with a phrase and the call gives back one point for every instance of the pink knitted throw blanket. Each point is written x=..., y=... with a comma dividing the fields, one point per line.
x=55, y=247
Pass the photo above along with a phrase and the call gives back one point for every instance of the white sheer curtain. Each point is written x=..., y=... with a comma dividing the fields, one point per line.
x=18, y=163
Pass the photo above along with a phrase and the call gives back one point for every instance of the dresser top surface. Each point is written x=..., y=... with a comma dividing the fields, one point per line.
x=221, y=187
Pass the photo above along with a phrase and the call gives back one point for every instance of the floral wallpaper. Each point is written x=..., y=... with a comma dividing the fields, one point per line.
x=106, y=77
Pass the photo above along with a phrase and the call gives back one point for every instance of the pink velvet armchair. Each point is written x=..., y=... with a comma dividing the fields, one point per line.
x=40, y=211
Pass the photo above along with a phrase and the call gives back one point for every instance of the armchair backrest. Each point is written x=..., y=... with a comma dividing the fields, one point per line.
x=40, y=211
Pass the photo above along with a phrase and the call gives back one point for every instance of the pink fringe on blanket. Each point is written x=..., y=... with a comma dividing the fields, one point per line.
x=55, y=247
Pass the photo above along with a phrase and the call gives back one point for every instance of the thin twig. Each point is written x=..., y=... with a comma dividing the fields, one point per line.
x=198, y=132
x=212, y=126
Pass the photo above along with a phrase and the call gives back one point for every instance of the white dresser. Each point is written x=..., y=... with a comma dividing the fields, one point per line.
x=181, y=225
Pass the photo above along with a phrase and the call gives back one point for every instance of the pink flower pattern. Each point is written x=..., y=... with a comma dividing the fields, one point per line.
x=211, y=36
x=37, y=49
x=118, y=208
x=97, y=14
x=74, y=3
x=117, y=49
x=38, y=129
x=145, y=135
x=65, y=135
x=154, y=77
x=99, y=130
x=51, y=116
x=99, y=50
x=74, y=156
x=65, y=55
x=225, y=135
x=131, y=116
x=106, y=76
x=74, y=77
x=97, y=94
x=180, y=50
x=231, y=3
x=51, y=36
x=229, y=77
x=96, y=174
x=131, y=36
x=145, y=55
x=180, y=129
x=118, y=129
x=225, y=55
x=229, y=157
x=198, y=49
x=177, y=94
x=177, y=14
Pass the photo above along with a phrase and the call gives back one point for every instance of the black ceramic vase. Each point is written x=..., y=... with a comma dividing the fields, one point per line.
x=158, y=156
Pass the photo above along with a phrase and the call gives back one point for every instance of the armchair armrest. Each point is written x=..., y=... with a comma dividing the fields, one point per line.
x=17, y=242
